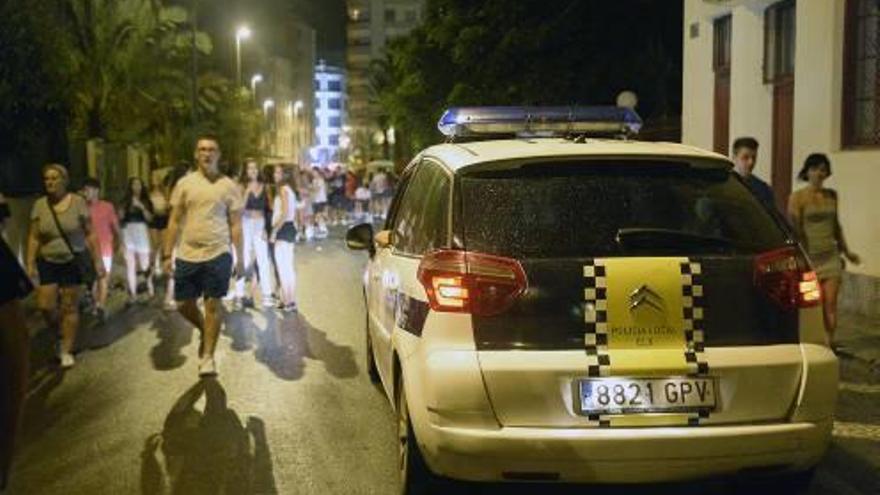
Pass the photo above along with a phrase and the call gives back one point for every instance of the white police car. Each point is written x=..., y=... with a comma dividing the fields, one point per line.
x=547, y=305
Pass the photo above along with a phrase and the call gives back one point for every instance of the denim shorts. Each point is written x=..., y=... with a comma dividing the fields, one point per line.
x=61, y=274
x=205, y=278
x=287, y=232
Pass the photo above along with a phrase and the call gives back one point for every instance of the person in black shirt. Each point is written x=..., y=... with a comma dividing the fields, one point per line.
x=745, y=156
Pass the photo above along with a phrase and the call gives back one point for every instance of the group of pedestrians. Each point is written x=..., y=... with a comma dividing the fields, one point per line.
x=812, y=214
x=193, y=226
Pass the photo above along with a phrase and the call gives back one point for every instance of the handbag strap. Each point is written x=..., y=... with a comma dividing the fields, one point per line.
x=58, y=226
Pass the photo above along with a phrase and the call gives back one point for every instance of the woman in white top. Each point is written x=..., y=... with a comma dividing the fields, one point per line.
x=284, y=229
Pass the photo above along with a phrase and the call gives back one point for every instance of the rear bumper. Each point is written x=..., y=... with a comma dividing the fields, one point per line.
x=621, y=455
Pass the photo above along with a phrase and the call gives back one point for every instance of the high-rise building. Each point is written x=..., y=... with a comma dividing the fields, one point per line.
x=371, y=24
x=330, y=113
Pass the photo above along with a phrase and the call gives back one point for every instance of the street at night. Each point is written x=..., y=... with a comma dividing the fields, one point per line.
x=291, y=411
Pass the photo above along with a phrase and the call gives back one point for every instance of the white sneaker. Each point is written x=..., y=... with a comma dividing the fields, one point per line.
x=269, y=302
x=207, y=367
x=67, y=360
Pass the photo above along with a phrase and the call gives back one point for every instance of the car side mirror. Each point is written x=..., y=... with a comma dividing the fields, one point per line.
x=360, y=237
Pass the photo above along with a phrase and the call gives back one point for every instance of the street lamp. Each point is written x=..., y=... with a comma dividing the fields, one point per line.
x=257, y=78
x=267, y=104
x=242, y=33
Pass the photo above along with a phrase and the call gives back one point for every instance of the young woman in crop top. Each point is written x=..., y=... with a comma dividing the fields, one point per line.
x=284, y=215
x=255, y=238
x=135, y=216
x=159, y=196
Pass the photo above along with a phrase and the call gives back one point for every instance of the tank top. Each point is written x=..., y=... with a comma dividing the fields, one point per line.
x=134, y=215
x=291, y=206
x=258, y=202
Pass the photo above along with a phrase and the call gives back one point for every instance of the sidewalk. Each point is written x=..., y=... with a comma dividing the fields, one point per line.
x=859, y=338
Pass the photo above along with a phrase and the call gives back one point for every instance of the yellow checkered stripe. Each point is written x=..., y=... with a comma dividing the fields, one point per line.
x=601, y=351
x=692, y=309
x=596, y=319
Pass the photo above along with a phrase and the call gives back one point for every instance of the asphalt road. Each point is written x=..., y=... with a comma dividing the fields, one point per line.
x=292, y=411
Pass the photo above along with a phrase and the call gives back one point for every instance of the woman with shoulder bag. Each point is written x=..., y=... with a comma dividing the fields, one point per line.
x=61, y=255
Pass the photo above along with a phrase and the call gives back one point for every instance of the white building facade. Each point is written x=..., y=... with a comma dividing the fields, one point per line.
x=801, y=77
x=330, y=113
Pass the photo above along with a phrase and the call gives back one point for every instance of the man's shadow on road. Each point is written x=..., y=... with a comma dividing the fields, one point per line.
x=283, y=343
x=208, y=451
x=174, y=333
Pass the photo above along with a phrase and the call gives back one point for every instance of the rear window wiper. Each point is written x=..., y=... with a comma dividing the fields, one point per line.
x=641, y=237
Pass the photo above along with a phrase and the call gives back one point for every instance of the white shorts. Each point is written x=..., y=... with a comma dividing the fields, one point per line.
x=136, y=237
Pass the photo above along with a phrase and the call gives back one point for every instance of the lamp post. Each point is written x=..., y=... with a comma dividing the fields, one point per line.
x=256, y=79
x=242, y=33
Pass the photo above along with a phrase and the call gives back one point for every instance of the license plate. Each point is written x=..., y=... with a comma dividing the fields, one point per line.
x=641, y=395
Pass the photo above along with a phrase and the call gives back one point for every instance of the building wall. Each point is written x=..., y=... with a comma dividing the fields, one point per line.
x=817, y=111
x=324, y=150
x=368, y=34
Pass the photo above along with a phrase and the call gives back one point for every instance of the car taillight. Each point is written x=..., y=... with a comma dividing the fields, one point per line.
x=467, y=282
x=785, y=278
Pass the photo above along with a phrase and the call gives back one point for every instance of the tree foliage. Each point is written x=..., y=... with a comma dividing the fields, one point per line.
x=498, y=52
x=32, y=94
x=119, y=70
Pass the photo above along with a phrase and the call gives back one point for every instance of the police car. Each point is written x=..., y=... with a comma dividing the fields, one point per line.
x=551, y=300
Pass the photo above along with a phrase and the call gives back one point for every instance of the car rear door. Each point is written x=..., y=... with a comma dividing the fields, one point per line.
x=645, y=305
x=419, y=222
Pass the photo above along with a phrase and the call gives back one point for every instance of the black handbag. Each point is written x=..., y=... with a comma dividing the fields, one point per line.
x=82, y=259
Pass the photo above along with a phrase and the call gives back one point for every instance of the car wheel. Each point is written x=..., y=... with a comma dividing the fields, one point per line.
x=414, y=475
x=372, y=370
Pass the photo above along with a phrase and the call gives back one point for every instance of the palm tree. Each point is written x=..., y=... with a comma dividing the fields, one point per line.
x=103, y=38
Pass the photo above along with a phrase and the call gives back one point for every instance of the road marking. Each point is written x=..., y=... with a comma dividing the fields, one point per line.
x=858, y=431
x=859, y=388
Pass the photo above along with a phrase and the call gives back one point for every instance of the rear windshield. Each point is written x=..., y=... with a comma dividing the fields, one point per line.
x=608, y=208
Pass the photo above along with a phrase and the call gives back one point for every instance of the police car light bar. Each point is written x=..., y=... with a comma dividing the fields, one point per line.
x=538, y=121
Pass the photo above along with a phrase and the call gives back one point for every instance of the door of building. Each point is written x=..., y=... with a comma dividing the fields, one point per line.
x=779, y=48
x=783, y=126
x=721, y=66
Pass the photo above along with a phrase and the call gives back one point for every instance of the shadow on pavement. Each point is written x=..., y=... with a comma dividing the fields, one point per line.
x=174, y=333
x=37, y=416
x=94, y=334
x=849, y=468
x=241, y=328
x=287, y=341
x=207, y=451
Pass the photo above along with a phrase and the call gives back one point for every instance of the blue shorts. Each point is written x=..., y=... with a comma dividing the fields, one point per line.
x=210, y=279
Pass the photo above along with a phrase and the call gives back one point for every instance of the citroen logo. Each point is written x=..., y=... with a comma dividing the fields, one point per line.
x=645, y=295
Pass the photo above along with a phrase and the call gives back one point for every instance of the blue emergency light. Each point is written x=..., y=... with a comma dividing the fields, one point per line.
x=538, y=121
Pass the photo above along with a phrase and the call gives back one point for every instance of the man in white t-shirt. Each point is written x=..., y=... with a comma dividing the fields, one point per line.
x=206, y=211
